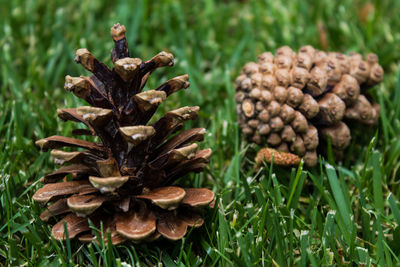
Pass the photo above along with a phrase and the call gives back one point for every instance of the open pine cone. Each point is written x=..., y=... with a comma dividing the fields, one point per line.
x=290, y=101
x=127, y=180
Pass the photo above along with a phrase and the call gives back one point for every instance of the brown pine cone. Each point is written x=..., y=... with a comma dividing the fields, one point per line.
x=127, y=180
x=291, y=100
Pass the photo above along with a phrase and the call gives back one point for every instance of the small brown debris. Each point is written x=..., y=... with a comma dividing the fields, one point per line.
x=279, y=158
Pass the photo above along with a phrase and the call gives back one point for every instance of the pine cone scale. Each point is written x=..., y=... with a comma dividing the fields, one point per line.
x=192, y=219
x=75, y=225
x=188, y=136
x=57, y=141
x=197, y=197
x=172, y=227
x=165, y=197
x=108, y=184
x=51, y=190
x=75, y=169
x=83, y=205
x=136, y=226
x=57, y=208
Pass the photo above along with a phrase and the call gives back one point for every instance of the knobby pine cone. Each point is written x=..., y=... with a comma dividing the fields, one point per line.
x=125, y=182
x=290, y=101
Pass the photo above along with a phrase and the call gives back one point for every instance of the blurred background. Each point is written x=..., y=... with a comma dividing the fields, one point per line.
x=211, y=41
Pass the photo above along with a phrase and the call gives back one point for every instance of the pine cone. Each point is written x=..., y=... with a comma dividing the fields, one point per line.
x=125, y=182
x=290, y=101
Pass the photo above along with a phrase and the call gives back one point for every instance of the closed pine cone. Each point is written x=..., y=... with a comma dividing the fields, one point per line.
x=291, y=100
x=126, y=181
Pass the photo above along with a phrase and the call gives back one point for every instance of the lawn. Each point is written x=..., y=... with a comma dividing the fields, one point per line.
x=334, y=214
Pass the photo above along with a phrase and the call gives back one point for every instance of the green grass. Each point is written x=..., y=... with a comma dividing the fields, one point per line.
x=344, y=214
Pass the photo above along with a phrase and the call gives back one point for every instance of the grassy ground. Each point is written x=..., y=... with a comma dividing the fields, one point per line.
x=345, y=214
